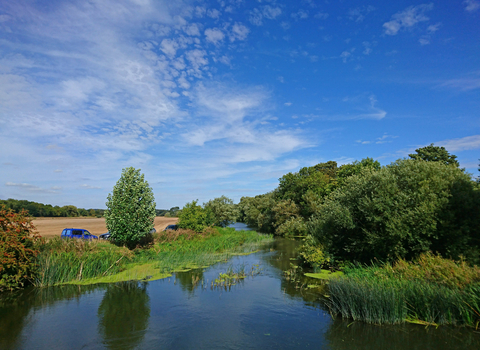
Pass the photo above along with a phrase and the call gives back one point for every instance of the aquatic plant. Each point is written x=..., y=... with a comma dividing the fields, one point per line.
x=431, y=290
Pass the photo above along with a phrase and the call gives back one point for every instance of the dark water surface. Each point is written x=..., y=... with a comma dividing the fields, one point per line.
x=263, y=312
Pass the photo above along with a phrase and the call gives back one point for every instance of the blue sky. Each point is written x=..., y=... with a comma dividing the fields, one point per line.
x=214, y=98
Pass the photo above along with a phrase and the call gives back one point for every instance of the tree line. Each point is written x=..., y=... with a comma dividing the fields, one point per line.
x=47, y=210
x=364, y=211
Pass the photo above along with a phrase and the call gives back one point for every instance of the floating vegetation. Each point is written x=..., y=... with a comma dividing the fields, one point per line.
x=234, y=275
x=325, y=274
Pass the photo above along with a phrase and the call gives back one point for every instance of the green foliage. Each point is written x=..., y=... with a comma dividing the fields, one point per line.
x=257, y=212
x=223, y=210
x=433, y=153
x=194, y=217
x=420, y=292
x=65, y=260
x=316, y=181
x=355, y=168
x=293, y=227
x=401, y=211
x=131, y=209
x=17, y=249
x=312, y=253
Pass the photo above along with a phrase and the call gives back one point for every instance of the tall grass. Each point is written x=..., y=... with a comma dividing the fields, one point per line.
x=430, y=291
x=62, y=261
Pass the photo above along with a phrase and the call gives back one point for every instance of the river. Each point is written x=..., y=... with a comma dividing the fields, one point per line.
x=264, y=311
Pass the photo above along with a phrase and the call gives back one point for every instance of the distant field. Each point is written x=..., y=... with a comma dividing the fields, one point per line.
x=50, y=227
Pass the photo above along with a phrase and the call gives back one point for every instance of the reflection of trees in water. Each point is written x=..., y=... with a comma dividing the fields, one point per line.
x=124, y=314
x=187, y=280
x=297, y=284
x=15, y=308
x=349, y=335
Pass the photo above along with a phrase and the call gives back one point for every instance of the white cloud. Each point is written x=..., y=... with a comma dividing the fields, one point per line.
x=461, y=144
x=358, y=14
x=258, y=14
x=463, y=84
x=472, y=5
x=407, y=18
x=32, y=188
x=239, y=32
x=214, y=35
x=300, y=14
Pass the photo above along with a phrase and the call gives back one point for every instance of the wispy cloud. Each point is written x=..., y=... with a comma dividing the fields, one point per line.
x=33, y=188
x=407, y=18
x=471, y=5
x=461, y=144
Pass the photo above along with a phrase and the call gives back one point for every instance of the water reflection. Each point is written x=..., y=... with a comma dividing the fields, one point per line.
x=16, y=308
x=123, y=314
x=348, y=335
x=263, y=311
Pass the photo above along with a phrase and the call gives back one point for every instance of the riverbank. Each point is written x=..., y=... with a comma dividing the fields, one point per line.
x=430, y=291
x=90, y=262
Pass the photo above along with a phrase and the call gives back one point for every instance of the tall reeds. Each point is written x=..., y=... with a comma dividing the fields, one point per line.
x=430, y=291
x=61, y=261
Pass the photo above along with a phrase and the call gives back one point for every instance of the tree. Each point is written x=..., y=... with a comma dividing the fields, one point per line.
x=194, y=217
x=433, y=153
x=401, y=211
x=130, y=208
x=223, y=210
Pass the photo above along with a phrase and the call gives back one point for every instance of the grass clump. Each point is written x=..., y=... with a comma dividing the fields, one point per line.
x=431, y=290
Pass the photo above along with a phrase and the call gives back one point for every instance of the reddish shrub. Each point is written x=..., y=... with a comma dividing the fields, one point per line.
x=17, y=249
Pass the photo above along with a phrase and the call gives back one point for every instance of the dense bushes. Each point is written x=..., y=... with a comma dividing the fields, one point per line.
x=17, y=249
x=194, y=217
x=400, y=211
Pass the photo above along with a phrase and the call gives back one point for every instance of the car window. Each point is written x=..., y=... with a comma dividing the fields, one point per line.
x=69, y=232
x=77, y=232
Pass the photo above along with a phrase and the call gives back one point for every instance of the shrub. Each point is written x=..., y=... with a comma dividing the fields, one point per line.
x=17, y=249
x=131, y=209
x=312, y=253
x=401, y=211
x=194, y=217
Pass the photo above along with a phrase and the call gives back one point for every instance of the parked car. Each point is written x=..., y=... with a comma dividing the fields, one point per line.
x=77, y=233
x=104, y=235
x=171, y=227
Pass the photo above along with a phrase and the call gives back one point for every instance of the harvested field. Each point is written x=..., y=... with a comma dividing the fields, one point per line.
x=50, y=227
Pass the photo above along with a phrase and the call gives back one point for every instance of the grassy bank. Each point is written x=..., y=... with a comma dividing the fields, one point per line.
x=86, y=262
x=430, y=291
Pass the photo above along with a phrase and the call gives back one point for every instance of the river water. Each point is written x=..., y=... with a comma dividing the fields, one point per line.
x=264, y=311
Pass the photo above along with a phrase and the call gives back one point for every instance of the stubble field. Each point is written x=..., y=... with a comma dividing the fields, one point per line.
x=51, y=227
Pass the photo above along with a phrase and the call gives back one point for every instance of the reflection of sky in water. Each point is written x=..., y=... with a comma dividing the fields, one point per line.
x=263, y=311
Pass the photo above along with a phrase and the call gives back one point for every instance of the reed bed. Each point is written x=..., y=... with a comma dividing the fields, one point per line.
x=77, y=261
x=431, y=291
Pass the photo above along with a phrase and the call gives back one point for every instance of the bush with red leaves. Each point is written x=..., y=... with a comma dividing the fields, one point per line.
x=18, y=240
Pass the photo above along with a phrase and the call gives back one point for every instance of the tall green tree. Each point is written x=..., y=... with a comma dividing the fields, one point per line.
x=433, y=153
x=223, y=210
x=131, y=209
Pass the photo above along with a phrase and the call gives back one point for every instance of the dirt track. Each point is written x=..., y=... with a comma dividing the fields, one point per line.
x=50, y=227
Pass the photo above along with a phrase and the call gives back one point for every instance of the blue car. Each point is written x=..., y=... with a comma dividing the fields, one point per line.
x=77, y=233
